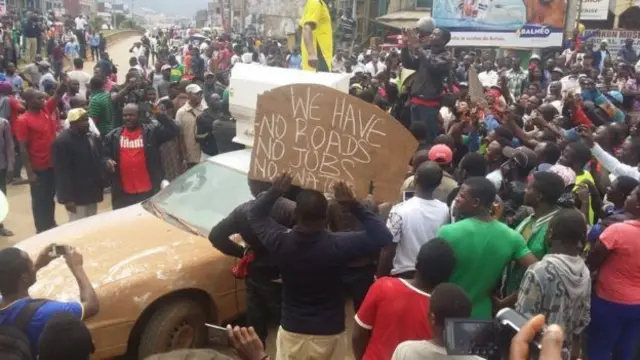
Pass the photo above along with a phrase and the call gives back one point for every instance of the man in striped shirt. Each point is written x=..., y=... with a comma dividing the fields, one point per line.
x=101, y=104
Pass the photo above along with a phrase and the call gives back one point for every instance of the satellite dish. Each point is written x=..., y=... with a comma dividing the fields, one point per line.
x=4, y=207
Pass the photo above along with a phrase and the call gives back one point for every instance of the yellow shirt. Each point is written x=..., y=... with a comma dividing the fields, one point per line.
x=317, y=12
x=586, y=177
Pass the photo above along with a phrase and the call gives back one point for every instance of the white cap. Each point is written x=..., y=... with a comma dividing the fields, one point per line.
x=193, y=89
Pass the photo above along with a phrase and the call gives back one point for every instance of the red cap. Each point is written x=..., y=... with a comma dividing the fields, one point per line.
x=441, y=154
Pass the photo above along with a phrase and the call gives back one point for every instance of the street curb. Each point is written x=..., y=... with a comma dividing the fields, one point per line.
x=117, y=36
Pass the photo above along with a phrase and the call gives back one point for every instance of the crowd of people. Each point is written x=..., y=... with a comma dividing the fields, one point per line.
x=523, y=193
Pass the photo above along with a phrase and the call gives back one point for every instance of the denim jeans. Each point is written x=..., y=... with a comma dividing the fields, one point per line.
x=264, y=303
x=95, y=53
x=429, y=117
x=43, y=206
x=613, y=331
x=57, y=68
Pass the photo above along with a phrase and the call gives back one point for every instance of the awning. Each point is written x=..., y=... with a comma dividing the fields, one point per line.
x=403, y=19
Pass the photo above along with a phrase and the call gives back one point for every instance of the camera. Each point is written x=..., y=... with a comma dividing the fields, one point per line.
x=489, y=339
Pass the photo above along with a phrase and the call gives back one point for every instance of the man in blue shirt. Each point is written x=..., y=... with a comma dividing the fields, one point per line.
x=105, y=65
x=94, y=43
x=18, y=274
x=16, y=81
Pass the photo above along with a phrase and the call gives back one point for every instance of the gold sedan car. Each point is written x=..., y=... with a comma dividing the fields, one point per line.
x=157, y=276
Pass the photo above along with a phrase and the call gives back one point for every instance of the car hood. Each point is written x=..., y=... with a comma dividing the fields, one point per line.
x=119, y=249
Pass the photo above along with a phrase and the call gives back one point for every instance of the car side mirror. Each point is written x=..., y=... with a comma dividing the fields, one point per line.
x=164, y=184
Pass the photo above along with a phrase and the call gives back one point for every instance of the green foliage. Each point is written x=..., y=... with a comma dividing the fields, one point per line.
x=96, y=22
x=128, y=24
x=119, y=19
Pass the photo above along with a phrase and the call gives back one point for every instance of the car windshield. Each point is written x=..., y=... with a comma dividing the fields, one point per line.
x=204, y=195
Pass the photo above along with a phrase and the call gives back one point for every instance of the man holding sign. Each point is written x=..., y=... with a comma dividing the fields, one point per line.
x=317, y=36
x=312, y=262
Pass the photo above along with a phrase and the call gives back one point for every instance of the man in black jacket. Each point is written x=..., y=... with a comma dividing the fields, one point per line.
x=264, y=293
x=432, y=65
x=215, y=129
x=204, y=126
x=78, y=167
x=132, y=156
x=32, y=32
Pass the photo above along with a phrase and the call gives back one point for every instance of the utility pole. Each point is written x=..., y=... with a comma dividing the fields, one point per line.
x=230, y=26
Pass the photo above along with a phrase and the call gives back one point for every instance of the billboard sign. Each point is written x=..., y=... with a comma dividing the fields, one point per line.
x=614, y=38
x=594, y=10
x=502, y=23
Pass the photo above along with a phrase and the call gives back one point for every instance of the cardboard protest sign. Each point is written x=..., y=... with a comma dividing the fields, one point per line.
x=321, y=136
x=476, y=90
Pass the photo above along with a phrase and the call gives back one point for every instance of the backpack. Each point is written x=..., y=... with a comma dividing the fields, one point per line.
x=14, y=343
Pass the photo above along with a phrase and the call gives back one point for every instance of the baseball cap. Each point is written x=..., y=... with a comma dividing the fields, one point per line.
x=522, y=156
x=165, y=67
x=558, y=70
x=44, y=63
x=441, y=154
x=193, y=89
x=75, y=114
x=616, y=95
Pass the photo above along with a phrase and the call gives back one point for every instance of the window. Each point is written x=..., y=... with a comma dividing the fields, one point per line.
x=204, y=195
x=424, y=4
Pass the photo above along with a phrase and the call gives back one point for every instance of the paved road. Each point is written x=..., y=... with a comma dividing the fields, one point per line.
x=20, y=220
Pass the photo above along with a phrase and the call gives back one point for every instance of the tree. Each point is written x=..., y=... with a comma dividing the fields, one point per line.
x=119, y=19
x=128, y=24
x=96, y=22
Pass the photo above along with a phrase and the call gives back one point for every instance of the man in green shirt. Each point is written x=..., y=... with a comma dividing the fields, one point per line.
x=483, y=246
x=177, y=70
x=101, y=104
x=101, y=108
x=542, y=193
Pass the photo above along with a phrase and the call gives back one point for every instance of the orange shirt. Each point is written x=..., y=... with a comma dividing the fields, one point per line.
x=619, y=277
x=187, y=64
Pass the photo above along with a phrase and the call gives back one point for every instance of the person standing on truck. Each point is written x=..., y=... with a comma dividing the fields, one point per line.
x=317, y=36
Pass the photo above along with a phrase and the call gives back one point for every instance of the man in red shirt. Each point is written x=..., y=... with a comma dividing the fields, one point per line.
x=133, y=156
x=395, y=309
x=17, y=109
x=36, y=131
x=224, y=56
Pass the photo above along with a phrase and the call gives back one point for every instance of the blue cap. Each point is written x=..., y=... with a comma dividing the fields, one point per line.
x=616, y=95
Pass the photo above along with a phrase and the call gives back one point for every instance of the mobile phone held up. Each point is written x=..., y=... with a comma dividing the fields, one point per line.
x=58, y=250
x=406, y=195
x=489, y=339
x=218, y=335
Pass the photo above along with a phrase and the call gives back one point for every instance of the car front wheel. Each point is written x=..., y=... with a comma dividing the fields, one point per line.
x=175, y=325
